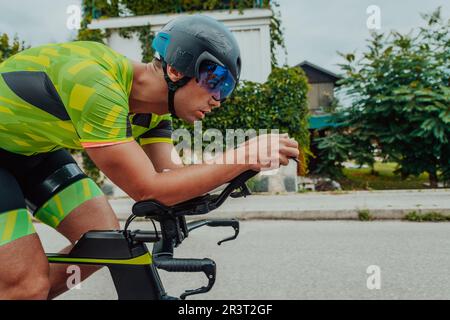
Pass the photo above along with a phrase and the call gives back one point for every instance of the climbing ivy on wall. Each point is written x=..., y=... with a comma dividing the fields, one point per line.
x=97, y=9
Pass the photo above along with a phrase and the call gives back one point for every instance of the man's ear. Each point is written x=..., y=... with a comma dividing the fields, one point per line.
x=173, y=74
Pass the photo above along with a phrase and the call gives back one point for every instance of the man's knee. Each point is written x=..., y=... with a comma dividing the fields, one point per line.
x=24, y=269
x=36, y=287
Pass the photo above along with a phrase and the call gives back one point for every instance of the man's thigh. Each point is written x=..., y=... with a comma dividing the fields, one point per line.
x=94, y=214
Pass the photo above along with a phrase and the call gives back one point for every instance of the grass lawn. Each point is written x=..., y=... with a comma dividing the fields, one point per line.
x=361, y=179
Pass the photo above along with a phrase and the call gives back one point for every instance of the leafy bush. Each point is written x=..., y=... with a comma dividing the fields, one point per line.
x=364, y=215
x=427, y=217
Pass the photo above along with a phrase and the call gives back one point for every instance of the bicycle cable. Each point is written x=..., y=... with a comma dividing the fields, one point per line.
x=128, y=222
x=156, y=230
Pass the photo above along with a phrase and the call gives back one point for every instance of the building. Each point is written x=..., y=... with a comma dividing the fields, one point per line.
x=251, y=28
x=322, y=83
x=320, y=97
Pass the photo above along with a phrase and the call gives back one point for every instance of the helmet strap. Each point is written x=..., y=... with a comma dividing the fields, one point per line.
x=173, y=87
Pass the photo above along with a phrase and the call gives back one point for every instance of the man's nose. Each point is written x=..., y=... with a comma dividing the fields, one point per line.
x=214, y=103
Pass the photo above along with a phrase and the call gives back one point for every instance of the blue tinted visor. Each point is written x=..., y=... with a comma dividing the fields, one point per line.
x=217, y=80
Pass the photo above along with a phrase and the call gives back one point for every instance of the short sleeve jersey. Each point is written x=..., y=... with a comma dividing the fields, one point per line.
x=71, y=95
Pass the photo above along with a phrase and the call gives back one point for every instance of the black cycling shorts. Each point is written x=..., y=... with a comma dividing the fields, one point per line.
x=50, y=185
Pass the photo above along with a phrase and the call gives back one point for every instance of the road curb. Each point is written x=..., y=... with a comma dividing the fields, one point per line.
x=376, y=214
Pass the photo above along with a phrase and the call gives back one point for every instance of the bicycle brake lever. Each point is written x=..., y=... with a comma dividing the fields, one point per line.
x=207, y=266
x=226, y=223
x=209, y=269
x=216, y=223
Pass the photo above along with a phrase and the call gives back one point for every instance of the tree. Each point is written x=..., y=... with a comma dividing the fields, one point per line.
x=8, y=49
x=401, y=98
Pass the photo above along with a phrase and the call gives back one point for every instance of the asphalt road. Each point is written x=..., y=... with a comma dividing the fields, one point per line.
x=304, y=260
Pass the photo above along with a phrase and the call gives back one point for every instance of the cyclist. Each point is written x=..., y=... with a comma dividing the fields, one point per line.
x=85, y=95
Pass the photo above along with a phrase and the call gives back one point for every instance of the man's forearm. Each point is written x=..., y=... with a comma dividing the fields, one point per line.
x=138, y=178
x=185, y=183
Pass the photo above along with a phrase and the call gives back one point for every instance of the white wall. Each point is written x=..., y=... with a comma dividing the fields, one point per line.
x=252, y=31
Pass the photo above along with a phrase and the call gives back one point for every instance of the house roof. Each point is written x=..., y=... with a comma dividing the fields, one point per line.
x=318, y=74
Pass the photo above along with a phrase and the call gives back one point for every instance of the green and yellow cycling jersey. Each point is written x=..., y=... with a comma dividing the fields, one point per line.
x=71, y=95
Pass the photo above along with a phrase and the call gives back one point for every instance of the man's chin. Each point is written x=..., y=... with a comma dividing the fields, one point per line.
x=190, y=119
x=194, y=118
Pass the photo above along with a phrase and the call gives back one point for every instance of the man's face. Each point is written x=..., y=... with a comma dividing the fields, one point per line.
x=192, y=102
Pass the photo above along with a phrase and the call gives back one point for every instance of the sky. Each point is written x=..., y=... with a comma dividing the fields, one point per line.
x=314, y=30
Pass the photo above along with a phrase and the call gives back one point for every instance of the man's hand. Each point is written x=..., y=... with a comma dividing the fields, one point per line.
x=269, y=151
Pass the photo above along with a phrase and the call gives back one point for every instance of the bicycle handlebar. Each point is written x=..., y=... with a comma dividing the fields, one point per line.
x=198, y=205
x=184, y=265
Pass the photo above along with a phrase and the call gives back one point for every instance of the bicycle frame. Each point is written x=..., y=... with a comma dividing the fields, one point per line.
x=133, y=268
